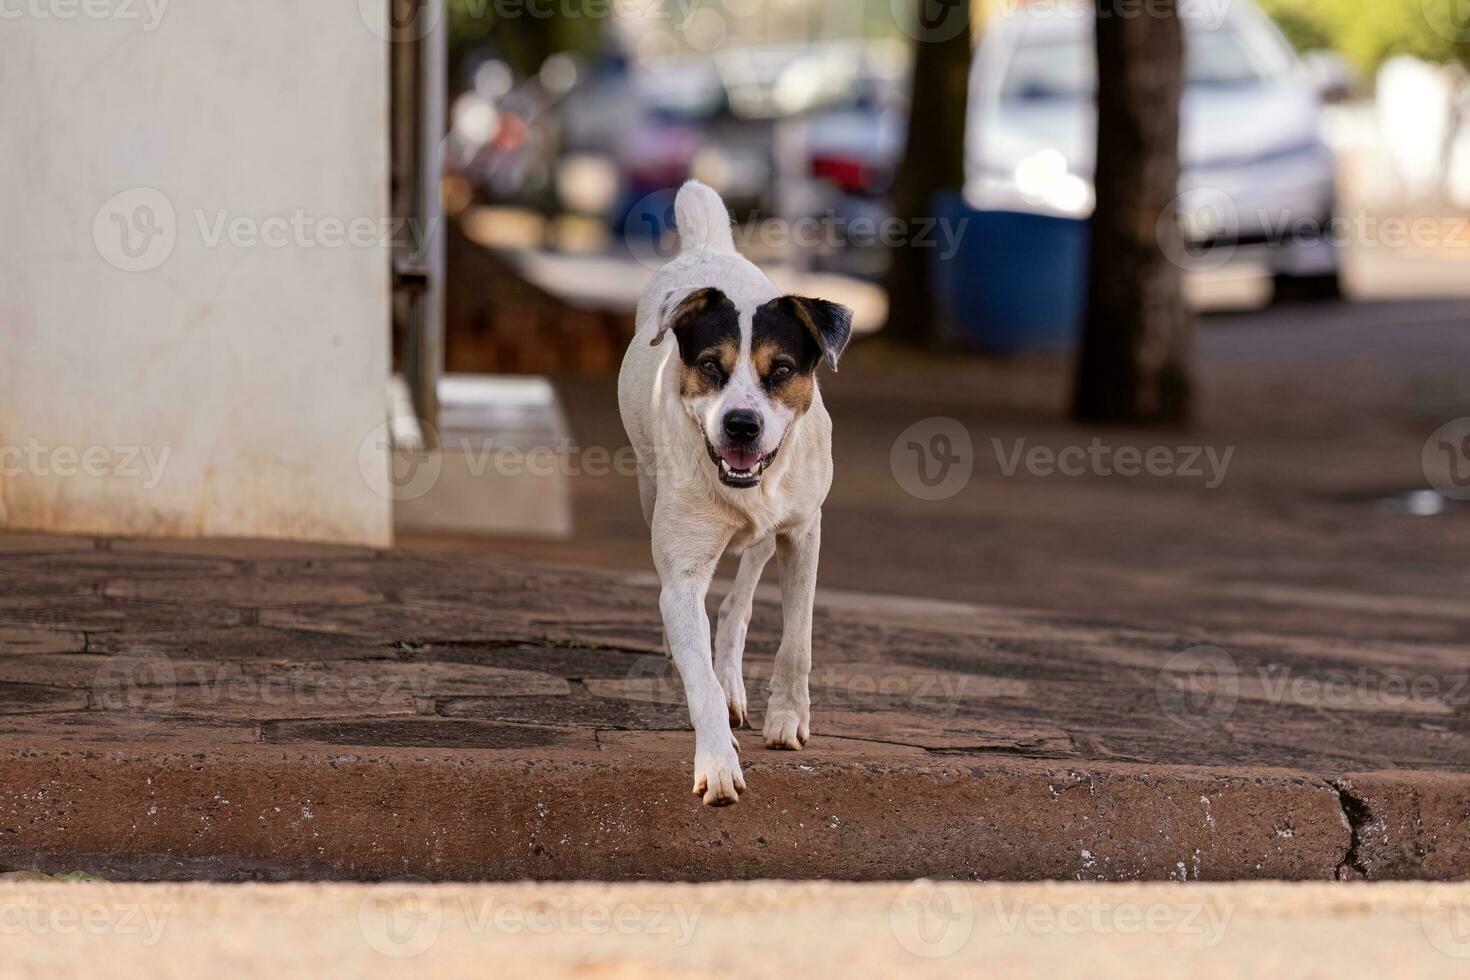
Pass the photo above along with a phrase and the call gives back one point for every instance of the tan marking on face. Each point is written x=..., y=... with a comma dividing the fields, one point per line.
x=695, y=383
x=796, y=391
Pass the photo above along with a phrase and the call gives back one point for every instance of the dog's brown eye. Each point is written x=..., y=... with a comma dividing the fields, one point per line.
x=781, y=372
x=711, y=367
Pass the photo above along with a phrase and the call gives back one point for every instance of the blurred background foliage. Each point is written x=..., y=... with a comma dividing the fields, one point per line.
x=526, y=39
x=1369, y=32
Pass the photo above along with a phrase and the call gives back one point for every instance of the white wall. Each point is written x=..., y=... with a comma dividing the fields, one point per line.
x=251, y=373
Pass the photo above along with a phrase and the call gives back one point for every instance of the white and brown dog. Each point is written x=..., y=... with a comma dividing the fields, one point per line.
x=719, y=396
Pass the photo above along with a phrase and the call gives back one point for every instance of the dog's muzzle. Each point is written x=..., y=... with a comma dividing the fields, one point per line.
x=739, y=468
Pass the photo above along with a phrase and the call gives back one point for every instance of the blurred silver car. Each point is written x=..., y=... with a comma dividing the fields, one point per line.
x=1257, y=179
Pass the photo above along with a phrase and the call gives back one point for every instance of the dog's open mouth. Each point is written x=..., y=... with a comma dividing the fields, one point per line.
x=740, y=468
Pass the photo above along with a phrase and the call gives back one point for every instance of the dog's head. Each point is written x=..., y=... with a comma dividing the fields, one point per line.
x=746, y=375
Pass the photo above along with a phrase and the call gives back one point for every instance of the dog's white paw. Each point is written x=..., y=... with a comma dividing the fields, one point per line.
x=717, y=776
x=734, y=687
x=787, y=726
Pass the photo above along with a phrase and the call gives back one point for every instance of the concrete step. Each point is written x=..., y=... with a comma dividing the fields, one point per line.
x=241, y=710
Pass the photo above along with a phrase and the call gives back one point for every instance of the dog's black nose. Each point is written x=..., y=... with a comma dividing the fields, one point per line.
x=743, y=425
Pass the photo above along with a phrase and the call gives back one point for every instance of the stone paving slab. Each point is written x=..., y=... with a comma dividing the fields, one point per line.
x=815, y=930
x=241, y=710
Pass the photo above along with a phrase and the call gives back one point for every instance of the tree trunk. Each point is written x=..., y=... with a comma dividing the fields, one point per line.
x=1135, y=360
x=933, y=161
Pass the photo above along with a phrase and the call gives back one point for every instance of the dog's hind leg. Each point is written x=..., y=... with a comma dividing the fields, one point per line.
x=734, y=620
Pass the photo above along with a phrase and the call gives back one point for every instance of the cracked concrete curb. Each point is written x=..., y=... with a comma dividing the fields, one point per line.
x=240, y=710
x=259, y=813
x=1406, y=826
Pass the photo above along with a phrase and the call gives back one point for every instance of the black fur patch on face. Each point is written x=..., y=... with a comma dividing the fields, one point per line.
x=824, y=326
x=776, y=327
x=704, y=319
x=707, y=328
x=784, y=353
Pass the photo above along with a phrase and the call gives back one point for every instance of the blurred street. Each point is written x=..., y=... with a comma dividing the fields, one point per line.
x=1327, y=408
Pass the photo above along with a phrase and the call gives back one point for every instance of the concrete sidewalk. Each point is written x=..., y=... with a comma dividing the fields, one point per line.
x=757, y=929
x=238, y=710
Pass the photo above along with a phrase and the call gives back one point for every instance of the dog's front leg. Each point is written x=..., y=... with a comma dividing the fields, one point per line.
x=734, y=621
x=788, y=712
x=685, y=568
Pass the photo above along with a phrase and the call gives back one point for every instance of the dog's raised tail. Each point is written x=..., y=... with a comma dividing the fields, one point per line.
x=702, y=219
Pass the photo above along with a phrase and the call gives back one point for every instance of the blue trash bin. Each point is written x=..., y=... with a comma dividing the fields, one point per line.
x=1016, y=282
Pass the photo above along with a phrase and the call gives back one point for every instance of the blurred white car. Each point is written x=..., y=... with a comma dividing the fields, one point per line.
x=1257, y=179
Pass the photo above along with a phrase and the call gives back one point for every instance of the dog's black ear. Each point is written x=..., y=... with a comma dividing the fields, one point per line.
x=680, y=309
x=830, y=324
